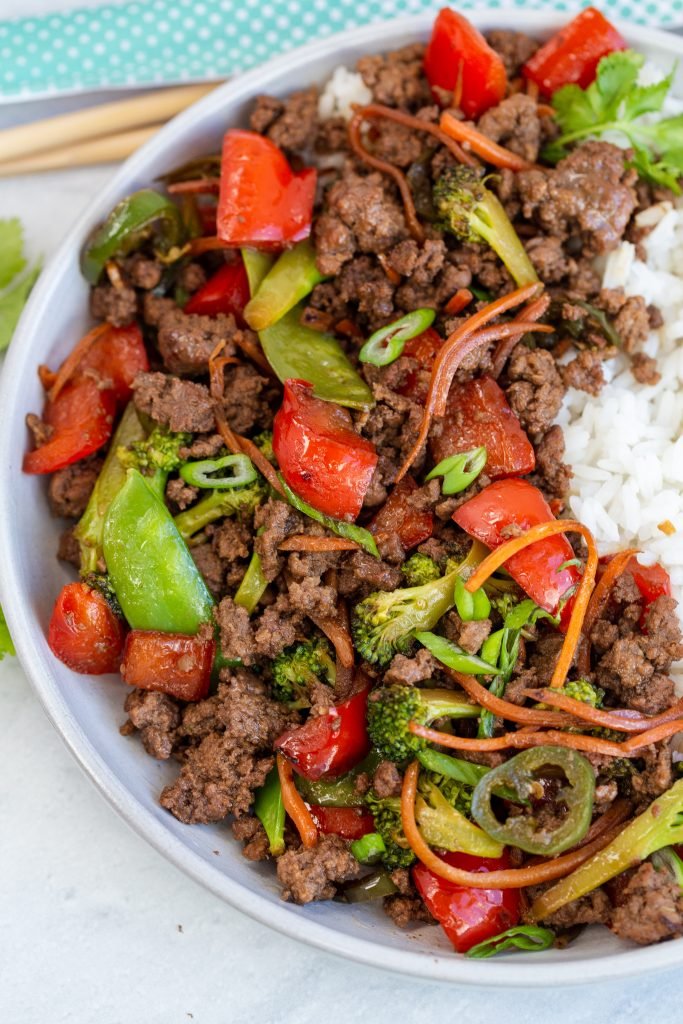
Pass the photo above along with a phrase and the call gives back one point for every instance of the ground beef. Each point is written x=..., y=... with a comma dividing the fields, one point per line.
x=360, y=214
x=515, y=48
x=397, y=79
x=236, y=633
x=41, y=432
x=143, y=271
x=406, y=910
x=247, y=399
x=552, y=475
x=248, y=713
x=536, y=390
x=363, y=573
x=364, y=283
x=69, y=550
x=70, y=488
x=629, y=315
x=176, y=404
x=251, y=832
x=180, y=494
x=157, y=717
x=290, y=123
x=584, y=372
x=313, y=874
x=202, y=447
x=661, y=643
x=154, y=307
x=232, y=539
x=650, y=907
x=549, y=257
x=118, y=306
x=644, y=368
x=280, y=626
x=626, y=672
x=387, y=780
x=277, y=520
x=588, y=196
x=515, y=124
x=421, y=263
x=186, y=340
x=310, y=597
x=593, y=908
x=655, y=774
x=191, y=277
x=410, y=671
x=210, y=566
x=395, y=143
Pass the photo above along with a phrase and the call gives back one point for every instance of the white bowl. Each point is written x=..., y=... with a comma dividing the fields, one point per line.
x=87, y=711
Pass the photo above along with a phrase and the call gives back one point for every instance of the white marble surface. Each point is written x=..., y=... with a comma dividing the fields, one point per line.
x=96, y=927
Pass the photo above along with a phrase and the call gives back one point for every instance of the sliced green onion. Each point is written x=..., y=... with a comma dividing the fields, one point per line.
x=528, y=938
x=349, y=531
x=450, y=654
x=368, y=849
x=459, y=471
x=198, y=474
x=471, y=607
x=490, y=651
x=454, y=768
x=387, y=344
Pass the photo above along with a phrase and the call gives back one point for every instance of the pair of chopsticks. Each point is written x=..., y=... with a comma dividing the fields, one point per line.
x=109, y=132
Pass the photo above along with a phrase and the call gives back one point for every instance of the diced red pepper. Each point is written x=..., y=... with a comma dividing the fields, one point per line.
x=422, y=349
x=262, y=202
x=329, y=744
x=397, y=517
x=82, y=418
x=227, y=291
x=347, y=822
x=572, y=55
x=321, y=456
x=653, y=581
x=478, y=414
x=84, y=632
x=458, y=59
x=469, y=916
x=170, y=663
x=492, y=516
x=117, y=357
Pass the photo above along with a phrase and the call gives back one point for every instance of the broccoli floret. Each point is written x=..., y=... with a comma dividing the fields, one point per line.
x=473, y=213
x=264, y=443
x=391, y=709
x=581, y=689
x=156, y=456
x=298, y=668
x=383, y=624
x=420, y=569
x=458, y=794
x=387, y=816
x=217, y=504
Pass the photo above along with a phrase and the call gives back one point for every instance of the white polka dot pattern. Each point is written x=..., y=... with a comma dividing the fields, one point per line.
x=140, y=43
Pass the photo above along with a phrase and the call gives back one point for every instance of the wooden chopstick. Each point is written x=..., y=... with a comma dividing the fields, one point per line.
x=97, y=151
x=107, y=119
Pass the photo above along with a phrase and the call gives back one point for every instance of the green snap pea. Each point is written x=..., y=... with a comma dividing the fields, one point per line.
x=198, y=474
x=450, y=654
x=289, y=280
x=347, y=530
x=387, y=344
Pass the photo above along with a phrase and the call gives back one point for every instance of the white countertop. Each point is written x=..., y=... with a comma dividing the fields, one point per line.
x=96, y=927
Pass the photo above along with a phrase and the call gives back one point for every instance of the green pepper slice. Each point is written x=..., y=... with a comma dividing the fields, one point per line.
x=151, y=569
x=372, y=887
x=131, y=221
x=288, y=281
x=339, y=792
x=568, y=770
x=270, y=810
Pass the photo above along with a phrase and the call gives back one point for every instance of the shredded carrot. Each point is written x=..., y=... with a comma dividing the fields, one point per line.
x=545, y=110
x=459, y=344
x=522, y=740
x=251, y=348
x=512, y=878
x=501, y=554
x=348, y=328
x=515, y=86
x=316, y=319
x=504, y=708
x=305, y=542
x=207, y=243
x=489, y=151
x=621, y=720
x=377, y=110
x=238, y=444
x=531, y=89
x=73, y=360
x=613, y=570
x=393, y=275
x=338, y=633
x=294, y=804
x=199, y=186
x=646, y=739
x=458, y=302
x=533, y=311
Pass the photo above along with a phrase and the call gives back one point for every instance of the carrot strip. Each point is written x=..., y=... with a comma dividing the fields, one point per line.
x=253, y=351
x=512, y=878
x=393, y=275
x=531, y=89
x=294, y=804
x=206, y=244
x=522, y=740
x=545, y=110
x=72, y=361
x=501, y=554
x=46, y=376
x=613, y=570
x=534, y=311
x=621, y=720
x=305, y=542
x=458, y=302
x=378, y=110
x=196, y=186
x=459, y=344
x=489, y=151
x=337, y=632
x=646, y=739
x=504, y=708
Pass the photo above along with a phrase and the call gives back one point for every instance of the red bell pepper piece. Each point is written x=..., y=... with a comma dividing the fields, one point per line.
x=84, y=632
x=422, y=349
x=329, y=744
x=261, y=201
x=459, y=59
x=82, y=418
x=469, y=916
x=478, y=414
x=653, y=581
x=117, y=357
x=321, y=456
x=572, y=55
x=226, y=292
x=170, y=663
x=398, y=517
x=347, y=822
x=506, y=504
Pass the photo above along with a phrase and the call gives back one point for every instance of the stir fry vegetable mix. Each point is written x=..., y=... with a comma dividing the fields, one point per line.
x=364, y=696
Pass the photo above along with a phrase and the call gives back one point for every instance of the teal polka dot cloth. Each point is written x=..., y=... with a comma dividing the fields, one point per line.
x=164, y=41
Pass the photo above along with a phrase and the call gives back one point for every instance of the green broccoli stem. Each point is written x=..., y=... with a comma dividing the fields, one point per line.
x=253, y=585
x=444, y=826
x=214, y=506
x=493, y=224
x=270, y=810
x=442, y=703
x=660, y=825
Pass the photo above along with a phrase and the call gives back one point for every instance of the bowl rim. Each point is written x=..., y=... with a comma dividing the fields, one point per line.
x=20, y=360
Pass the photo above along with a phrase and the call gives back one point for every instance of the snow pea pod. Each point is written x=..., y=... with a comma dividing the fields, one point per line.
x=288, y=281
x=150, y=567
x=134, y=219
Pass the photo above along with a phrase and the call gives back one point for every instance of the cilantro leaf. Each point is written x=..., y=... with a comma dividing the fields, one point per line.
x=12, y=302
x=12, y=260
x=614, y=102
x=6, y=645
